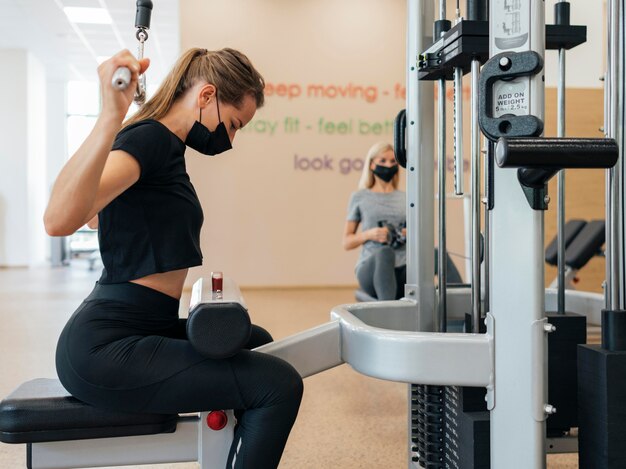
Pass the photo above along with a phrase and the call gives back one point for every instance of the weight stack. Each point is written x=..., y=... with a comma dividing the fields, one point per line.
x=602, y=397
x=571, y=330
x=466, y=428
x=427, y=425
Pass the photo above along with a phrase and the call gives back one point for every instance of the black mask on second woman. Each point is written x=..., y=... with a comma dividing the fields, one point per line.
x=206, y=142
x=386, y=173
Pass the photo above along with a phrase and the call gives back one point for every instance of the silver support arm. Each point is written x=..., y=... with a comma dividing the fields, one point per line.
x=373, y=339
x=311, y=351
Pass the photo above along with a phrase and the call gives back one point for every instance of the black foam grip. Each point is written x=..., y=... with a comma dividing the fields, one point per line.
x=218, y=330
x=552, y=152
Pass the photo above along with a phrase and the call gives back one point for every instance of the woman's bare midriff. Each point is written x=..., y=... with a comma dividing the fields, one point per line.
x=171, y=283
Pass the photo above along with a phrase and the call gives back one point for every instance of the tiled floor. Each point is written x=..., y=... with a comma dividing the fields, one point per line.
x=346, y=420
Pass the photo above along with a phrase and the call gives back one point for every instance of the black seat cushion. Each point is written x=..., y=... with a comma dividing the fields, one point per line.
x=586, y=244
x=572, y=228
x=42, y=410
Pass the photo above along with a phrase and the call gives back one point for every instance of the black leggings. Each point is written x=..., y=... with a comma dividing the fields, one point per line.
x=379, y=278
x=126, y=349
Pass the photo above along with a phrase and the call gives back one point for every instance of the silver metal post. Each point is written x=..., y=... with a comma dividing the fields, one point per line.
x=486, y=230
x=614, y=182
x=441, y=155
x=475, y=199
x=420, y=184
x=441, y=160
x=458, y=131
x=458, y=122
x=561, y=187
x=517, y=288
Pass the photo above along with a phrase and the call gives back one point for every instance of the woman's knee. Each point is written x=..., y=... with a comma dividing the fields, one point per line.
x=266, y=380
x=292, y=386
x=385, y=254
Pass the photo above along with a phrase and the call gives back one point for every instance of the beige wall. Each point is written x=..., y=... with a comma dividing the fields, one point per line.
x=268, y=221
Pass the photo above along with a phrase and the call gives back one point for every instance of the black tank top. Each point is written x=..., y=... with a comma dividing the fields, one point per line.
x=153, y=226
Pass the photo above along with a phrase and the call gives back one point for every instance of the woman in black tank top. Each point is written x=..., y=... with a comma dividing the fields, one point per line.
x=125, y=347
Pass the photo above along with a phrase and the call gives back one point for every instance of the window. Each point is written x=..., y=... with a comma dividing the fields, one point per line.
x=83, y=107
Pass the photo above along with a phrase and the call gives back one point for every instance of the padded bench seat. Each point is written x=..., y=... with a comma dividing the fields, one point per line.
x=42, y=410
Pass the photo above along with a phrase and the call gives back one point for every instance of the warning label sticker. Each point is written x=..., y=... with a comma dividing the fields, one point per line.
x=510, y=98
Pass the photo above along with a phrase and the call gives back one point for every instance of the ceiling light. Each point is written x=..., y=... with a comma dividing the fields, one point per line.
x=88, y=15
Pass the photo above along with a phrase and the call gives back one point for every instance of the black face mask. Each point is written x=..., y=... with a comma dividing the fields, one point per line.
x=206, y=142
x=385, y=173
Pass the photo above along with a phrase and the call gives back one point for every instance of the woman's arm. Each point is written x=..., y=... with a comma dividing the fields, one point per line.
x=352, y=239
x=91, y=177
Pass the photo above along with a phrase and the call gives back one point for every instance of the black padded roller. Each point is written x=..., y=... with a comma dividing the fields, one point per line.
x=536, y=152
x=218, y=330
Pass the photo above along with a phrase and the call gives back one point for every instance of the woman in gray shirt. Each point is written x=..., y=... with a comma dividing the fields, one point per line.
x=380, y=209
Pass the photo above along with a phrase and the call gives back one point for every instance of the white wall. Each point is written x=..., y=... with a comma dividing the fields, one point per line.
x=36, y=161
x=22, y=159
x=56, y=116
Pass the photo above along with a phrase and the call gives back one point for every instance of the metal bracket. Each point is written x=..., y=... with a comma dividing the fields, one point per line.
x=506, y=66
x=490, y=321
x=537, y=197
x=539, y=379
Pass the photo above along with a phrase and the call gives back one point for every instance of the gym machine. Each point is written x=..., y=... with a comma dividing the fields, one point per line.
x=483, y=402
x=122, y=76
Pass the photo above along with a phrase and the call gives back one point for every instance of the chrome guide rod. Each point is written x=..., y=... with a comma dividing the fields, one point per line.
x=475, y=198
x=561, y=186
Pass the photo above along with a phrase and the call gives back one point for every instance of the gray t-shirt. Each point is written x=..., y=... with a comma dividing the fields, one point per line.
x=369, y=208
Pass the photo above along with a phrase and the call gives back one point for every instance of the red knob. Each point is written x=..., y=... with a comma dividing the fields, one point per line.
x=216, y=419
